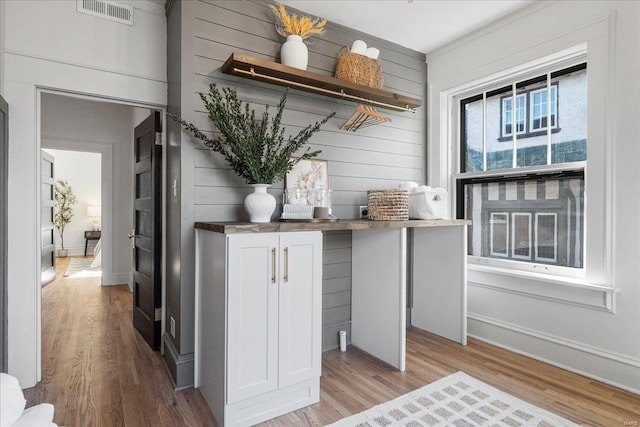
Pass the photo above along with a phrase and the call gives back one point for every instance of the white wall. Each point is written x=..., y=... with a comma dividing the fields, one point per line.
x=2, y=38
x=600, y=342
x=78, y=124
x=82, y=171
x=49, y=45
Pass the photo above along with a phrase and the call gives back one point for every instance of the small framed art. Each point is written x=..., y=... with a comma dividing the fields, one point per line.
x=308, y=174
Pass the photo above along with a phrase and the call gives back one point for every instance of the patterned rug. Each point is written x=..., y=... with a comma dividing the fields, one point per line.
x=457, y=400
x=81, y=267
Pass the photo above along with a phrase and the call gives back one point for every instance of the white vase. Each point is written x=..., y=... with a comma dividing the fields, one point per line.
x=294, y=53
x=260, y=204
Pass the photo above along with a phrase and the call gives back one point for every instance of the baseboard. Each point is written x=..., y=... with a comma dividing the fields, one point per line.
x=74, y=251
x=180, y=366
x=254, y=410
x=608, y=367
x=116, y=279
x=330, y=335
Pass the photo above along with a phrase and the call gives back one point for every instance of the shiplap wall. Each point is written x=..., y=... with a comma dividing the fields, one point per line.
x=377, y=157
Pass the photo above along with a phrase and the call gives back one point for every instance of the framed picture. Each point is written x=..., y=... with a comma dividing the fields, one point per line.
x=308, y=174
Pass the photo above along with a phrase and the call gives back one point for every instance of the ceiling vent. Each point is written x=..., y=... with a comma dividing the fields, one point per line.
x=106, y=9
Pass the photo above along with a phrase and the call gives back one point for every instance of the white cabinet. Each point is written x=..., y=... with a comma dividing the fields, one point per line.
x=259, y=323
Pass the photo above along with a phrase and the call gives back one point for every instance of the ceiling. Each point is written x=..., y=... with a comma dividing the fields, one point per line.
x=422, y=25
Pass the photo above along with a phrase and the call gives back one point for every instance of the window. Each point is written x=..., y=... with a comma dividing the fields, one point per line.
x=539, y=108
x=499, y=241
x=546, y=237
x=535, y=219
x=531, y=103
x=521, y=235
x=507, y=115
x=525, y=198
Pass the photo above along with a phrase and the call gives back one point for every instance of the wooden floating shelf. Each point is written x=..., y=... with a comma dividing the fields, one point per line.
x=282, y=75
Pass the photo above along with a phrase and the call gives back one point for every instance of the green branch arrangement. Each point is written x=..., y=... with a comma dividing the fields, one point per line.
x=63, y=207
x=256, y=149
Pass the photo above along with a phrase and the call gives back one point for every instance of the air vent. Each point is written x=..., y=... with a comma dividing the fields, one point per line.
x=106, y=9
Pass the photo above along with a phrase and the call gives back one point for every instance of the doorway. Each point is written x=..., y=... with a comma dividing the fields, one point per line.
x=79, y=172
x=89, y=126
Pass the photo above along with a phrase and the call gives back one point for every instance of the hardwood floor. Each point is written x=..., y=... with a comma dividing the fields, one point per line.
x=98, y=372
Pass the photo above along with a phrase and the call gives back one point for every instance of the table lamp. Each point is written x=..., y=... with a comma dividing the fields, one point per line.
x=94, y=212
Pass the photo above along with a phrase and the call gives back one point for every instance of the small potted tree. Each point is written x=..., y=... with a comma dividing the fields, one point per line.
x=63, y=207
x=254, y=147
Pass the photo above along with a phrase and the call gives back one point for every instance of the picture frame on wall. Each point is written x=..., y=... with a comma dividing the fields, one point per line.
x=308, y=174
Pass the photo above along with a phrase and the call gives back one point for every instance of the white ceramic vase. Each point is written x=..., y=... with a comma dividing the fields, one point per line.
x=260, y=204
x=294, y=53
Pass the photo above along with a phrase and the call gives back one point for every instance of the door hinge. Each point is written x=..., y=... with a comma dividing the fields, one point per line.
x=158, y=138
x=158, y=314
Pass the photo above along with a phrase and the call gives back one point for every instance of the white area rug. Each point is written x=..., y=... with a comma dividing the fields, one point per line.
x=457, y=400
x=81, y=267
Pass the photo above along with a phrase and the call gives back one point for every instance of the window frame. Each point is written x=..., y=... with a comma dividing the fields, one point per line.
x=559, y=171
x=521, y=172
x=504, y=124
x=554, y=117
x=595, y=289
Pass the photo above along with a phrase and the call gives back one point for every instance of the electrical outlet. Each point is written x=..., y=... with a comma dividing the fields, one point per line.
x=173, y=327
x=364, y=212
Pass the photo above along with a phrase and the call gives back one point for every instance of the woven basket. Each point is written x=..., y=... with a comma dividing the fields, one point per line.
x=388, y=205
x=359, y=69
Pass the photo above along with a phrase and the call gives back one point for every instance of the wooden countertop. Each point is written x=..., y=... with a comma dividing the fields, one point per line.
x=348, y=224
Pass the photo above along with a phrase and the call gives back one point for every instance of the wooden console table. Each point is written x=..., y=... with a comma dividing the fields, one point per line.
x=227, y=251
x=90, y=235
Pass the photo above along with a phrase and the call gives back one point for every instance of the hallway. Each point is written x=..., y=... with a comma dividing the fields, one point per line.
x=96, y=370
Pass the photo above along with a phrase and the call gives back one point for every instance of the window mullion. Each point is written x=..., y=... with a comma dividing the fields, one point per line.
x=548, y=118
x=514, y=110
x=484, y=131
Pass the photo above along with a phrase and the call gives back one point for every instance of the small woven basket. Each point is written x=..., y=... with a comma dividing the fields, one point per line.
x=388, y=205
x=359, y=69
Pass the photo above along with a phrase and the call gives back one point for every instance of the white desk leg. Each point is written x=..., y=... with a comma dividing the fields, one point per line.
x=440, y=281
x=379, y=295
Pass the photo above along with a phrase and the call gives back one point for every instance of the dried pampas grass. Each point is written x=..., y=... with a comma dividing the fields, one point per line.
x=302, y=26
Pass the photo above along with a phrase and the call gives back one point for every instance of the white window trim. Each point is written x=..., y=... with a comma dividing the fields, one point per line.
x=506, y=238
x=544, y=286
x=596, y=279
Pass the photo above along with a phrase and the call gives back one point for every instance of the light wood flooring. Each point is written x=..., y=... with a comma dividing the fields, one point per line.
x=98, y=372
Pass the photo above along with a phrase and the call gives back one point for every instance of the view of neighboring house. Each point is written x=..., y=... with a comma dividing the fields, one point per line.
x=539, y=219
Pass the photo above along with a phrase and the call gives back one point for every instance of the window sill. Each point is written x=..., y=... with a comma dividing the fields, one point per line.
x=564, y=290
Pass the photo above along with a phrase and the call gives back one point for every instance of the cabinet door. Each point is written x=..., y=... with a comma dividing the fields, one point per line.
x=252, y=307
x=300, y=307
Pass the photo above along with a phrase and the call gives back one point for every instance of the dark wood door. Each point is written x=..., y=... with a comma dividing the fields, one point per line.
x=48, y=264
x=146, y=236
x=4, y=199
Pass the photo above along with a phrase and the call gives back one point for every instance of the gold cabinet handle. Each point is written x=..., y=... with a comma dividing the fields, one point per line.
x=273, y=271
x=286, y=264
